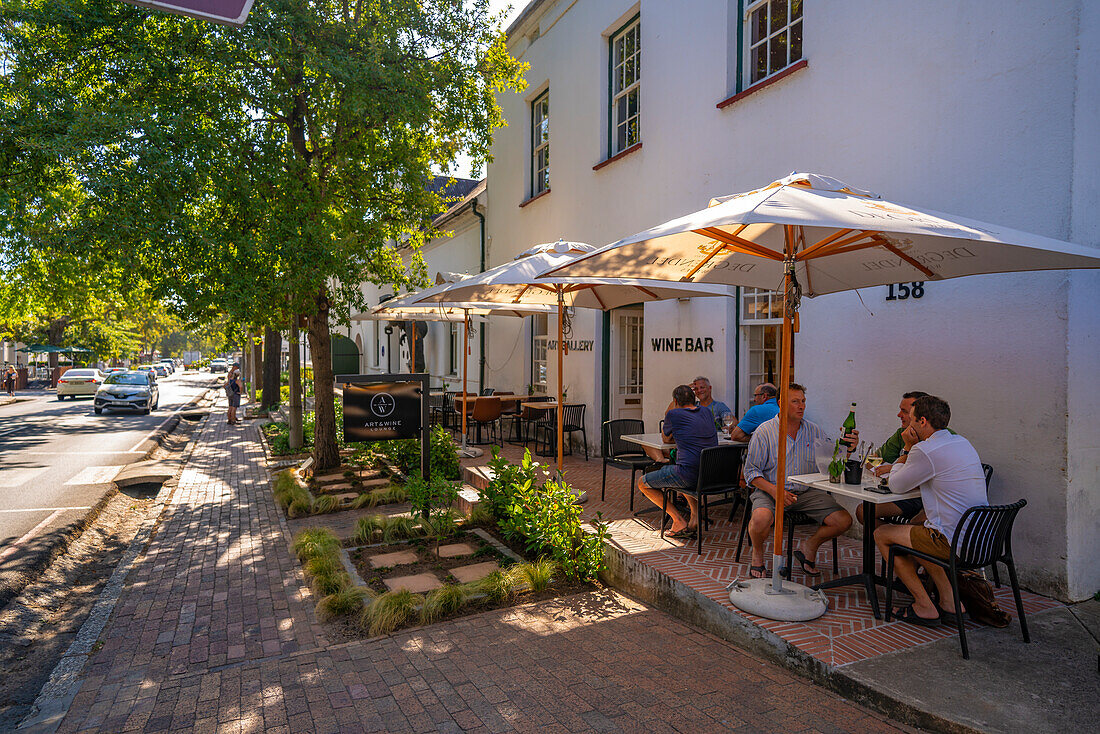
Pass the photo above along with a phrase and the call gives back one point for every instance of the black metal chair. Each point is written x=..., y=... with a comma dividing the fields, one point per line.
x=902, y=520
x=792, y=520
x=983, y=538
x=485, y=392
x=719, y=473
x=447, y=412
x=525, y=418
x=572, y=422
x=622, y=454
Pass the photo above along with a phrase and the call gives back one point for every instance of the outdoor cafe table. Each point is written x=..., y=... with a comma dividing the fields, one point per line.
x=461, y=400
x=656, y=441
x=867, y=576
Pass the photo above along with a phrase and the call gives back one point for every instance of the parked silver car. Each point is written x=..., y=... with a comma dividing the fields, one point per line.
x=133, y=390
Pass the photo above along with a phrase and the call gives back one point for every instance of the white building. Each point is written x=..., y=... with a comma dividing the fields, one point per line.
x=985, y=109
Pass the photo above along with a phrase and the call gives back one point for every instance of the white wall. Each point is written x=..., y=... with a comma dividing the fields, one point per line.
x=985, y=109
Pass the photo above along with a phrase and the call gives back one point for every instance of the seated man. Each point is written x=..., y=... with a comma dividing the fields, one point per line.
x=701, y=387
x=949, y=473
x=691, y=427
x=760, y=468
x=765, y=407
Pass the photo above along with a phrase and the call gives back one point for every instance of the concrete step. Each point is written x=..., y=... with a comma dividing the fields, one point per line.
x=468, y=498
x=339, y=478
x=477, y=477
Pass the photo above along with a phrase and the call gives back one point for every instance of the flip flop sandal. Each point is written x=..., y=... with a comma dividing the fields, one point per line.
x=805, y=563
x=685, y=534
x=762, y=570
x=910, y=616
x=949, y=617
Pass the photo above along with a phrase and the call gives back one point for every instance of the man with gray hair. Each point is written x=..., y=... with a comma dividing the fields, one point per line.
x=702, y=388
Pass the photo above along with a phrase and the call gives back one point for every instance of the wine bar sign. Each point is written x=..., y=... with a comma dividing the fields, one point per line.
x=682, y=344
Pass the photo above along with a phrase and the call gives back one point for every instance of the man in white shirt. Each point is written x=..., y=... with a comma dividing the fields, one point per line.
x=949, y=473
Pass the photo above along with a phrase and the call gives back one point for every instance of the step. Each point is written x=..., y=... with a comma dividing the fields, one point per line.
x=367, y=486
x=477, y=476
x=339, y=478
x=468, y=498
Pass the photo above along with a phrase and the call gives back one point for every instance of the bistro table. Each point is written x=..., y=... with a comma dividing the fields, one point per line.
x=870, y=498
x=656, y=441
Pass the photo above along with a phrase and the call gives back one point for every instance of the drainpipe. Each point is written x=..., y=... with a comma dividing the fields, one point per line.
x=481, y=331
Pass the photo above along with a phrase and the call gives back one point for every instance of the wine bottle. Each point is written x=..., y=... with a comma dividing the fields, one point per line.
x=848, y=426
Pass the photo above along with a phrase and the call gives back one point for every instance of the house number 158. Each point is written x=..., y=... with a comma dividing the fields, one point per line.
x=905, y=290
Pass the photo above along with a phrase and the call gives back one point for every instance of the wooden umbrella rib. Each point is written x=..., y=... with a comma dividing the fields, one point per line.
x=739, y=244
x=832, y=247
x=702, y=262
x=822, y=243
x=908, y=259
x=857, y=246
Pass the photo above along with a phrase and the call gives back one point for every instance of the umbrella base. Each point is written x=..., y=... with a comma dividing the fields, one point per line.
x=797, y=603
x=469, y=452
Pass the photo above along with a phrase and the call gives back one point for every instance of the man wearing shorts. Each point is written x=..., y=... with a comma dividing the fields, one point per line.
x=691, y=427
x=760, y=468
x=949, y=473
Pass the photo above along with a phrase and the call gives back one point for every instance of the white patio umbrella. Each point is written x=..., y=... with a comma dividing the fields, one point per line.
x=406, y=307
x=517, y=282
x=818, y=235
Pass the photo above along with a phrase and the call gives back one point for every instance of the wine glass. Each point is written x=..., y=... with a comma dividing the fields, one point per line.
x=727, y=422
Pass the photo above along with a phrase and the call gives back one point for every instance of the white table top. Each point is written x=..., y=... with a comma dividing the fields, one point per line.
x=821, y=481
x=656, y=441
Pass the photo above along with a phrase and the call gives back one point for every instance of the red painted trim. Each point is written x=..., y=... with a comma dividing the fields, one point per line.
x=536, y=197
x=767, y=82
x=624, y=152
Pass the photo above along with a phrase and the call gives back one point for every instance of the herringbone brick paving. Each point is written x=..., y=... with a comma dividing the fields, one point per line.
x=215, y=632
x=847, y=633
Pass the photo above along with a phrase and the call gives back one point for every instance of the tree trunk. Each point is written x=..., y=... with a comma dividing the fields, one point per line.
x=255, y=366
x=326, y=454
x=54, y=332
x=273, y=348
x=295, y=370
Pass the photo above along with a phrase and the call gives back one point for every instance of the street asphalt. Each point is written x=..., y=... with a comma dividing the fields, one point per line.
x=58, y=460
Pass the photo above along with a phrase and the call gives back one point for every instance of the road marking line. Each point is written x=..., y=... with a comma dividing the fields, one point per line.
x=11, y=478
x=161, y=425
x=77, y=453
x=95, y=475
x=27, y=536
x=46, y=509
x=13, y=430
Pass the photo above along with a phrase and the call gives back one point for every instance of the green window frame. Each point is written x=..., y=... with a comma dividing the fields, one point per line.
x=624, y=74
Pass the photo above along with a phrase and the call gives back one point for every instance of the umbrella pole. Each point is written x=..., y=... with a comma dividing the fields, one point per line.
x=465, y=350
x=412, y=343
x=561, y=408
x=786, y=339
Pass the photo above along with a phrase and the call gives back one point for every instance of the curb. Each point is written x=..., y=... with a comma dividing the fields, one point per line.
x=629, y=576
x=53, y=701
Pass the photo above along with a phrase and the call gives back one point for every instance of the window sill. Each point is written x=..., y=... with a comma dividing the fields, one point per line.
x=764, y=83
x=621, y=154
x=536, y=197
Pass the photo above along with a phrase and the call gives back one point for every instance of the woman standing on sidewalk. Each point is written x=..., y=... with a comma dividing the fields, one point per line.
x=9, y=381
x=233, y=389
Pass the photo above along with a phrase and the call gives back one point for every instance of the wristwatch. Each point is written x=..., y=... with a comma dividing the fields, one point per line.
x=904, y=452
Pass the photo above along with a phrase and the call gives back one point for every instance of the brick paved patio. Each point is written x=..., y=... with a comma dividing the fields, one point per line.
x=215, y=632
x=847, y=633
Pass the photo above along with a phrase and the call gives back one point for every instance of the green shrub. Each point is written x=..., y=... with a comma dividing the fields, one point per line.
x=348, y=600
x=314, y=543
x=537, y=576
x=405, y=454
x=482, y=516
x=389, y=611
x=434, y=494
x=326, y=584
x=369, y=529
x=287, y=490
x=497, y=586
x=326, y=565
x=444, y=454
x=400, y=528
x=443, y=601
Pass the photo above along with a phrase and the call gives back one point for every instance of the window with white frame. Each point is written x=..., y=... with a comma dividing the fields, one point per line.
x=540, y=144
x=625, y=61
x=761, y=316
x=455, y=342
x=773, y=37
x=540, y=327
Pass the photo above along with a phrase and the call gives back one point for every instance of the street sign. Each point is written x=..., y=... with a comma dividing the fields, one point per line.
x=227, y=12
x=383, y=407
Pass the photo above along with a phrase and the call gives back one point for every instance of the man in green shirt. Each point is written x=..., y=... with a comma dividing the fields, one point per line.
x=890, y=450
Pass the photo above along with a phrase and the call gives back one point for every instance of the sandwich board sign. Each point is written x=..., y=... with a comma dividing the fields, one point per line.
x=386, y=407
x=227, y=12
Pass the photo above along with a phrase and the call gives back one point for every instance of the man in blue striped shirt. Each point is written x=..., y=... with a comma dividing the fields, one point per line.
x=760, y=468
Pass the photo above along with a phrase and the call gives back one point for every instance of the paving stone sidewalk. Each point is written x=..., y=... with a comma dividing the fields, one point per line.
x=215, y=632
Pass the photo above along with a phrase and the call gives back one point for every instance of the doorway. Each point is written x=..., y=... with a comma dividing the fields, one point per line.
x=627, y=335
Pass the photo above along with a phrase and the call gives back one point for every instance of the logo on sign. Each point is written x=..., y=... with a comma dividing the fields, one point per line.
x=382, y=404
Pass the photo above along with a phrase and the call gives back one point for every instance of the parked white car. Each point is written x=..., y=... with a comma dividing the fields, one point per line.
x=79, y=381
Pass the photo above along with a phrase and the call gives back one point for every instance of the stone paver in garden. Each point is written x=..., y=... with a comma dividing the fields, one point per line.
x=475, y=571
x=456, y=549
x=397, y=558
x=215, y=631
x=417, y=583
